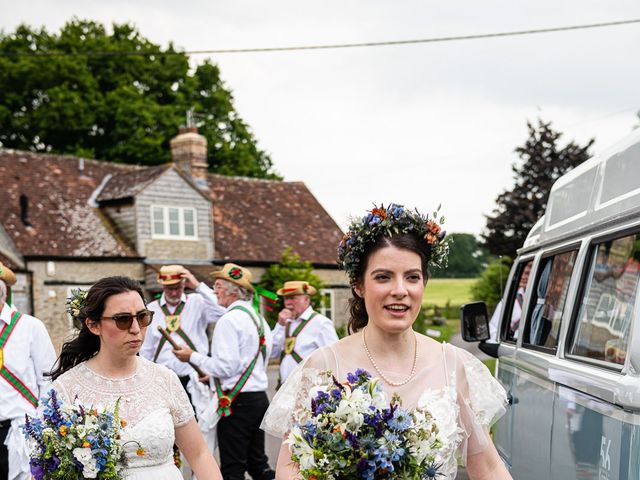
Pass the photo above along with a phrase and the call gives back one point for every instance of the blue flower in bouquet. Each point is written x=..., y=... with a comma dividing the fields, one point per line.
x=352, y=431
x=400, y=421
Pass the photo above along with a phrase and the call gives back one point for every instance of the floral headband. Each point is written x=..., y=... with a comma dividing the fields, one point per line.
x=386, y=222
x=75, y=302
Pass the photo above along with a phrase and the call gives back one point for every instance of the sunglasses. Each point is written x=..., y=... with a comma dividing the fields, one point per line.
x=125, y=320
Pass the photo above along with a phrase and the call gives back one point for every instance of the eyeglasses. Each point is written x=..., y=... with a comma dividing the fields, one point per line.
x=125, y=320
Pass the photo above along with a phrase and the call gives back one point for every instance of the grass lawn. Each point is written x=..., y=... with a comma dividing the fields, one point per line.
x=455, y=290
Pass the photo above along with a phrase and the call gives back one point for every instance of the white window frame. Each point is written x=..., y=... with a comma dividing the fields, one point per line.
x=331, y=309
x=181, y=223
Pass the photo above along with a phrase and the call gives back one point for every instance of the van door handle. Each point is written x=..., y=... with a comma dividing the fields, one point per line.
x=511, y=399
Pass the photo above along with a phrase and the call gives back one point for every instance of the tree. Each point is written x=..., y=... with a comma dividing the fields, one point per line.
x=489, y=287
x=289, y=268
x=541, y=163
x=114, y=106
x=467, y=258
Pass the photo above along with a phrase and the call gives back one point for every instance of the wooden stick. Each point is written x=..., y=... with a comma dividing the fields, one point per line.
x=168, y=338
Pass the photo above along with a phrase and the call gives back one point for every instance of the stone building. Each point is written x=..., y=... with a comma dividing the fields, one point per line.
x=66, y=222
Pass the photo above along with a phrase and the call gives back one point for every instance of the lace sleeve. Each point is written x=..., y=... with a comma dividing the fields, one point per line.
x=293, y=395
x=481, y=400
x=181, y=409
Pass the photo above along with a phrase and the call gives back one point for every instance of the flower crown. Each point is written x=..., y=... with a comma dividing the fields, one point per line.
x=386, y=222
x=75, y=302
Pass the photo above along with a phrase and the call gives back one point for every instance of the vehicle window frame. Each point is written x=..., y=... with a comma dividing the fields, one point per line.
x=526, y=328
x=585, y=277
x=511, y=298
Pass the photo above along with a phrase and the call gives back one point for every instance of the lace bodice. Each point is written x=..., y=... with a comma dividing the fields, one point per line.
x=152, y=402
x=451, y=383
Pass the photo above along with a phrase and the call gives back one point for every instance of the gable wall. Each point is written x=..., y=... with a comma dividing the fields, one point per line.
x=171, y=189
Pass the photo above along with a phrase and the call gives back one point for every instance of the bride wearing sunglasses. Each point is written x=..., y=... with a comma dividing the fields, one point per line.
x=100, y=365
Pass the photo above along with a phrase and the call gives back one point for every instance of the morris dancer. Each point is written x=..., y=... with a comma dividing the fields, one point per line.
x=26, y=356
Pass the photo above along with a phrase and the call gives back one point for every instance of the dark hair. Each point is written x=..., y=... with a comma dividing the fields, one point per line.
x=406, y=241
x=86, y=344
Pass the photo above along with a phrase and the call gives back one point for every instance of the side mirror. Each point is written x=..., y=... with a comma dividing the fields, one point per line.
x=475, y=322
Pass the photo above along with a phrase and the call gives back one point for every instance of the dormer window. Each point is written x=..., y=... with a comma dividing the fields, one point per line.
x=174, y=223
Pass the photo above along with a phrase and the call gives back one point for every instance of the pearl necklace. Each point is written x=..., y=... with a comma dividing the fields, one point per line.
x=382, y=375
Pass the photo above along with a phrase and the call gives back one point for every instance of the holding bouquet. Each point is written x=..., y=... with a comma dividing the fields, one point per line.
x=74, y=442
x=351, y=431
x=348, y=430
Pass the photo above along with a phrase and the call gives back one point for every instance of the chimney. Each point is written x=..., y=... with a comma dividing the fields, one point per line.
x=189, y=153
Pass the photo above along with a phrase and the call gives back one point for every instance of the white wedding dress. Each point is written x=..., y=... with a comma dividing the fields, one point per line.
x=452, y=384
x=152, y=402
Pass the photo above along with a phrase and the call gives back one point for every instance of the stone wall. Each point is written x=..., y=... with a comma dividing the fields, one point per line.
x=51, y=286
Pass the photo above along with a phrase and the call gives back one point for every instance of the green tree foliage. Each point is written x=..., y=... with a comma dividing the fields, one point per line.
x=122, y=108
x=489, y=287
x=467, y=258
x=542, y=162
x=289, y=268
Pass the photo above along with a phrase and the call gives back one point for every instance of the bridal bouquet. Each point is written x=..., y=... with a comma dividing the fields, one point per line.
x=74, y=442
x=352, y=431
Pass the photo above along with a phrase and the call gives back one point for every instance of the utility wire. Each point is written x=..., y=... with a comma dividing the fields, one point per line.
x=320, y=47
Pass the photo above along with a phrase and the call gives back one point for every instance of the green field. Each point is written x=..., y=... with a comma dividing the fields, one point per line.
x=456, y=291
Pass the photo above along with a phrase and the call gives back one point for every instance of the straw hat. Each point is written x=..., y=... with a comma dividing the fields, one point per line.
x=296, y=288
x=235, y=274
x=170, y=274
x=6, y=275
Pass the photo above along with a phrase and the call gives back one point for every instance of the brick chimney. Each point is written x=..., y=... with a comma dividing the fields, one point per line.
x=189, y=153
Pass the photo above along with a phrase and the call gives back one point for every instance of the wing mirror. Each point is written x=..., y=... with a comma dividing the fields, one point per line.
x=475, y=322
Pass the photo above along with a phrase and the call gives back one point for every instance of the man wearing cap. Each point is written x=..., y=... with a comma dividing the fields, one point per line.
x=240, y=350
x=184, y=317
x=300, y=330
x=26, y=356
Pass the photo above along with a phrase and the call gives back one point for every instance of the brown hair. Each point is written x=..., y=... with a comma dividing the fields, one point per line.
x=406, y=241
x=86, y=344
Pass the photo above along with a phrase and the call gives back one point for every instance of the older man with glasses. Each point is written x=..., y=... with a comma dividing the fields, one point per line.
x=184, y=317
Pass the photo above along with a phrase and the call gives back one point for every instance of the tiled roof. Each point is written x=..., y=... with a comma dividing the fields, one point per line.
x=254, y=220
x=129, y=183
x=62, y=222
x=257, y=219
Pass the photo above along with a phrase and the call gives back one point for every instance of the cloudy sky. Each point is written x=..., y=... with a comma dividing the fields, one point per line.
x=418, y=124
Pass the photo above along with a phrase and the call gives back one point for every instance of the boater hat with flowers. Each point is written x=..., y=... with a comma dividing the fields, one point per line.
x=386, y=222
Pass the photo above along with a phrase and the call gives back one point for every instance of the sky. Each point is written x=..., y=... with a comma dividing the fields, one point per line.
x=420, y=125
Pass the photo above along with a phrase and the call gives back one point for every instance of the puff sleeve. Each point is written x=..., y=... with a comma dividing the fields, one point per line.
x=481, y=401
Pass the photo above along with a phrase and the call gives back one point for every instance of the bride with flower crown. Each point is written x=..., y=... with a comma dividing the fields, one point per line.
x=387, y=255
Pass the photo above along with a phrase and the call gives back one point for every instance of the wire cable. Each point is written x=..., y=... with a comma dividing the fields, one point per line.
x=321, y=47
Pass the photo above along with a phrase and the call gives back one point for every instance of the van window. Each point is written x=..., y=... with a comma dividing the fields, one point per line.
x=510, y=327
x=548, y=298
x=607, y=307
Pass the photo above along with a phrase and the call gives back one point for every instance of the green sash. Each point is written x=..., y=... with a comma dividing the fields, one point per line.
x=225, y=399
x=7, y=374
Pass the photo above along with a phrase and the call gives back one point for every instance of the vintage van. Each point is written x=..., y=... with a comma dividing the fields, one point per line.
x=568, y=343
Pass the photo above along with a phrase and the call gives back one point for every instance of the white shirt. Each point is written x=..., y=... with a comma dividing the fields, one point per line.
x=233, y=347
x=29, y=355
x=200, y=310
x=318, y=333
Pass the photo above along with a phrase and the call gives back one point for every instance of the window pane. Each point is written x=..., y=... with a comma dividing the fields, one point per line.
x=174, y=222
x=606, y=311
x=158, y=220
x=510, y=328
x=548, y=300
x=189, y=229
x=326, y=305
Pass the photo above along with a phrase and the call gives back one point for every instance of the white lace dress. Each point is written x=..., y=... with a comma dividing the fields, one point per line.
x=152, y=402
x=455, y=387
